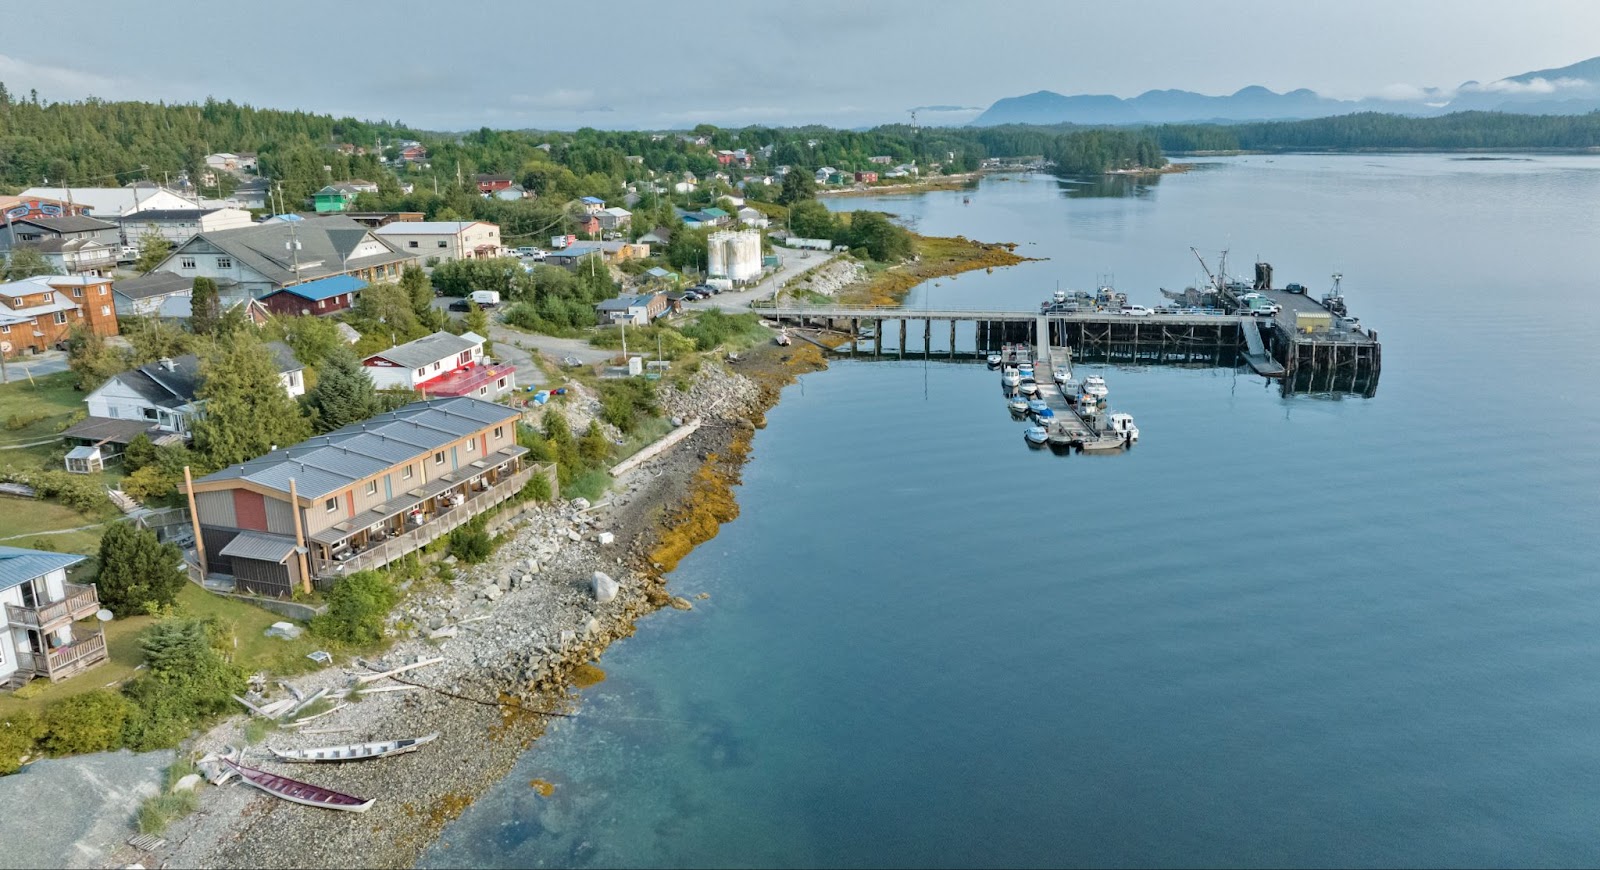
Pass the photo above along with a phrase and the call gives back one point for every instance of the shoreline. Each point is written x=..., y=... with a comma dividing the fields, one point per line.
x=518, y=658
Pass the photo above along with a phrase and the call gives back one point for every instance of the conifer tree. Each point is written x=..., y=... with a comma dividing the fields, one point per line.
x=205, y=310
x=246, y=412
x=137, y=571
x=343, y=394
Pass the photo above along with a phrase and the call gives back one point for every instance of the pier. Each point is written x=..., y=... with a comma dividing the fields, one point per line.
x=1303, y=346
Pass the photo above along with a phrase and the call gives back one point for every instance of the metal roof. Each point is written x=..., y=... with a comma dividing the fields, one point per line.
x=428, y=349
x=424, y=228
x=259, y=546
x=18, y=566
x=153, y=284
x=326, y=288
x=328, y=463
x=68, y=224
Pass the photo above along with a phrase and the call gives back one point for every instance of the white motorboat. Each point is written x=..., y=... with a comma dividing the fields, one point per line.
x=994, y=360
x=1094, y=386
x=1122, y=425
x=1018, y=404
x=1026, y=369
x=1028, y=388
x=1010, y=377
x=1036, y=435
x=1061, y=375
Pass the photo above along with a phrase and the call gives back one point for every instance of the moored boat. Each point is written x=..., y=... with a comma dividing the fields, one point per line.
x=1037, y=405
x=1010, y=377
x=356, y=751
x=298, y=792
x=1095, y=386
x=1028, y=387
x=1061, y=375
x=1036, y=435
x=994, y=360
x=1018, y=404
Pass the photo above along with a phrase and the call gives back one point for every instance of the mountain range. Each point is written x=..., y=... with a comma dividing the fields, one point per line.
x=1568, y=90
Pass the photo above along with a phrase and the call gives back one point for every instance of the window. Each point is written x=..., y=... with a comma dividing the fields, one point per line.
x=413, y=244
x=443, y=243
x=472, y=445
x=150, y=413
x=102, y=289
x=186, y=263
x=224, y=262
x=483, y=391
x=322, y=303
x=77, y=292
x=421, y=372
x=405, y=473
x=372, y=487
x=105, y=310
x=61, y=317
x=499, y=432
x=49, y=297
x=435, y=366
x=502, y=383
x=331, y=505
x=438, y=458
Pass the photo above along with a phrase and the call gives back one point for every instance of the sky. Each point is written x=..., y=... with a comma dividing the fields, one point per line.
x=846, y=63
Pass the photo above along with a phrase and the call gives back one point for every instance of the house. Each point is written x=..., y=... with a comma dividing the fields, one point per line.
x=38, y=313
x=724, y=158
x=321, y=297
x=350, y=150
x=358, y=497
x=658, y=274
x=179, y=225
x=49, y=630
x=592, y=204
x=74, y=245
x=413, y=152
x=375, y=219
x=162, y=394
x=109, y=203
x=717, y=216
x=587, y=224
x=733, y=199
x=513, y=193
x=617, y=252
x=442, y=364
x=180, y=309
x=144, y=295
x=658, y=236
x=443, y=241
x=492, y=183
x=826, y=172
x=614, y=219
x=263, y=259
x=568, y=257
x=866, y=177
x=684, y=187
x=753, y=218
x=633, y=310
x=881, y=160
x=332, y=198
x=253, y=193
x=223, y=160
x=630, y=199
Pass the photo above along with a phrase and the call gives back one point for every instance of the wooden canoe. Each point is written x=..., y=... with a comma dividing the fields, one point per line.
x=356, y=751
x=297, y=791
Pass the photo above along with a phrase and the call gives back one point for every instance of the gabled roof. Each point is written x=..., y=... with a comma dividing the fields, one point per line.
x=18, y=565
x=424, y=228
x=176, y=386
x=153, y=284
x=326, y=288
x=327, y=246
x=428, y=349
x=331, y=462
x=68, y=224
x=714, y=212
x=591, y=200
x=169, y=214
x=67, y=246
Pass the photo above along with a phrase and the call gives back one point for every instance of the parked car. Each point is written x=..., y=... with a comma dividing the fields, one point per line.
x=1295, y=288
x=461, y=305
x=1136, y=311
x=1268, y=310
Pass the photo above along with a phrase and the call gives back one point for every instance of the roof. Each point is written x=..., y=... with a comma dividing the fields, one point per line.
x=714, y=212
x=424, y=228
x=331, y=462
x=577, y=251
x=69, y=224
x=326, y=288
x=621, y=303
x=260, y=546
x=657, y=272
x=176, y=386
x=109, y=201
x=428, y=349
x=616, y=212
x=592, y=200
x=18, y=565
x=113, y=429
x=169, y=214
x=328, y=246
x=153, y=284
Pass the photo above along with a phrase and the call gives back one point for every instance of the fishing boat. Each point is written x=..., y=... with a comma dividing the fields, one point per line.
x=1028, y=387
x=1122, y=425
x=1018, y=404
x=994, y=360
x=1061, y=375
x=1036, y=435
x=1010, y=377
x=1094, y=386
x=356, y=751
x=297, y=791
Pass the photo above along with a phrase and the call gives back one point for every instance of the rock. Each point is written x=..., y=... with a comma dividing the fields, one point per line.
x=568, y=638
x=441, y=633
x=572, y=535
x=580, y=504
x=591, y=628
x=435, y=623
x=493, y=593
x=285, y=630
x=187, y=783
x=606, y=538
x=681, y=604
x=450, y=560
x=504, y=583
x=527, y=580
x=604, y=588
x=703, y=596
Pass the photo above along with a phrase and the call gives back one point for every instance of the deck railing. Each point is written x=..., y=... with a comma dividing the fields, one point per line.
x=62, y=663
x=79, y=602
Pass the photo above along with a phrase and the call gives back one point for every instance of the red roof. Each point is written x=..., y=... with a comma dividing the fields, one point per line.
x=465, y=380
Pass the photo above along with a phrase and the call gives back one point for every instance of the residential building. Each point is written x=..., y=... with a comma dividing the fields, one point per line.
x=413, y=152
x=162, y=394
x=110, y=203
x=253, y=193
x=180, y=309
x=179, y=225
x=144, y=295
x=684, y=187
x=633, y=310
x=725, y=158
x=825, y=173
x=375, y=219
x=38, y=313
x=49, y=625
x=753, y=218
x=568, y=257
x=443, y=241
x=614, y=219
x=492, y=183
x=321, y=297
x=592, y=204
x=866, y=177
x=513, y=193
x=73, y=245
x=263, y=259
x=658, y=236
x=223, y=160
x=331, y=199
x=15, y=208
x=618, y=252
x=442, y=364
x=588, y=224
x=359, y=497
x=882, y=159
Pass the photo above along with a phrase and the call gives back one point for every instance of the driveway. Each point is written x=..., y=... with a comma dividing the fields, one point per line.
x=792, y=263
x=37, y=365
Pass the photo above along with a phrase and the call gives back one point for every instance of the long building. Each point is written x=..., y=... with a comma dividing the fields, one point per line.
x=359, y=497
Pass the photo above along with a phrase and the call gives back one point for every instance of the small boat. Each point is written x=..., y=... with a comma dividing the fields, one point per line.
x=782, y=339
x=356, y=751
x=1122, y=426
x=1028, y=388
x=1061, y=375
x=297, y=791
x=1036, y=435
x=1060, y=296
x=1094, y=386
x=1037, y=405
x=1010, y=377
x=994, y=360
x=1025, y=369
x=1064, y=436
x=1018, y=404
x=1043, y=416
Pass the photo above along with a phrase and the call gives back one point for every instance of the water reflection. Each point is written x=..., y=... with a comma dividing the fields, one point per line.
x=1106, y=186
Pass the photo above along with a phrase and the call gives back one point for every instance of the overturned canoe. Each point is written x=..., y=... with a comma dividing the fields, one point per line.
x=297, y=791
x=356, y=751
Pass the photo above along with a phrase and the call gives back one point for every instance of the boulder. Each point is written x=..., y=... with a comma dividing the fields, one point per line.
x=606, y=538
x=580, y=504
x=604, y=588
x=187, y=783
x=504, y=583
x=493, y=593
x=527, y=580
x=682, y=604
x=572, y=535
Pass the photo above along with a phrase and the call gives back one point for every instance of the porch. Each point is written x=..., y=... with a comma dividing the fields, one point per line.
x=77, y=602
x=61, y=662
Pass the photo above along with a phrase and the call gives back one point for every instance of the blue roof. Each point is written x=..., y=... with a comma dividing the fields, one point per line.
x=325, y=288
x=592, y=199
x=18, y=566
x=580, y=250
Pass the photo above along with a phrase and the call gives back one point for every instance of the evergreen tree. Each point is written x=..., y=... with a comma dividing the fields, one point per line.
x=417, y=286
x=798, y=186
x=153, y=248
x=205, y=309
x=137, y=571
x=246, y=411
x=91, y=359
x=26, y=262
x=343, y=394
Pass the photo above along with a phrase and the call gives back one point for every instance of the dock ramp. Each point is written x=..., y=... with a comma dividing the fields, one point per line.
x=1256, y=350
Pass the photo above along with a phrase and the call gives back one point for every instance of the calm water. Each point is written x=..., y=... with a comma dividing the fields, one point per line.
x=1278, y=632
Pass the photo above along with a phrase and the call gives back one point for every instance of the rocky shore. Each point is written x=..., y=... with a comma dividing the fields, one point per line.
x=516, y=635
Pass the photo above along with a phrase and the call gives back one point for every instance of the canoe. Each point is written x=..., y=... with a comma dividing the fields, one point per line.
x=297, y=791
x=355, y=751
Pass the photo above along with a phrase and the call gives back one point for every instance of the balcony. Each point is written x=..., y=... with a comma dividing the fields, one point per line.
x=79, y=602
x=63, y=662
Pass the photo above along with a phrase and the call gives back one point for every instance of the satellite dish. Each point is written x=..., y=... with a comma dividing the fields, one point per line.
x=103, y=615
x=5, y=347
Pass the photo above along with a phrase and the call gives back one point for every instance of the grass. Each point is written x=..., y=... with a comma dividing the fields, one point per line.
x=160, y=810
x=647, y=432
x=590, y=485
x=45, y=403
x=26, y=519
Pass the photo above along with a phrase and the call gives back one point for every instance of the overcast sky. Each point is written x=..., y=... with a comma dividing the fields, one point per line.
x=452, y=66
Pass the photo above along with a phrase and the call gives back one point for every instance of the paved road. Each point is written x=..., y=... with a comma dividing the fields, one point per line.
x=793, y=263
x=47, y=363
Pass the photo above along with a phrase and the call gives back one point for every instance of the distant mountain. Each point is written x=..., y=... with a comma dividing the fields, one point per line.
x=1572, y=89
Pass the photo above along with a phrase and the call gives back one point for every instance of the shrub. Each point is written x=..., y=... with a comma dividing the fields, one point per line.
x=357, y=606
x=91, y=722
x=624, y=399
x=188, y=682
x=137, y=572
x=470, y=543
x=19, y=735
x=536, y=489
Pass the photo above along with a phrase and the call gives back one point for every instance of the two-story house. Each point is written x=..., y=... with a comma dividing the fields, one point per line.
x=442, y=364
x=38, y=313
x=47, y=625
x=614, y=219
x=632, y=310
x=73, y=245
x=359, y=497
x=443, y=241
x=179, y=225
x=491, y=183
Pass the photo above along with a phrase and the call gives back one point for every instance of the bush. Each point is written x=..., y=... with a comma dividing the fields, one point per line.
x=357, y=607
x=188, y=682
x=161, y=810
x=470, y=543
x=624, y=399
x=91, y=722
x=76, y=491
x=138, y=573
x=536, y=489
x=150, y=483
x=19, y=736
x=713, y=328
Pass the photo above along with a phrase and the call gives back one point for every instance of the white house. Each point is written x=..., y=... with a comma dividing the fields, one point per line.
x=162, y=394
x=753, y=218
x=443, y=241
x=441, y=364
x=110, y=203
x=179, y=225
x=40, y=635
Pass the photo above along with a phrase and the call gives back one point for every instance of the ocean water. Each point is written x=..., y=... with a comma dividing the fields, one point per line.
x=1279, y=632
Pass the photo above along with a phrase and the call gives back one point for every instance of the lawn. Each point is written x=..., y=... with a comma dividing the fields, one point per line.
x=35, y=410
x=25, y=519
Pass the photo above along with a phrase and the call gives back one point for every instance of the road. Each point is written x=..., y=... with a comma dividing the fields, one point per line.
x=39, y=365
x=792, y=262
x=513, y=346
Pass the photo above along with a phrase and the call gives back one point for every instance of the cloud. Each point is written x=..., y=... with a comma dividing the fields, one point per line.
x=570, y=99
x=54, y=82
x=1531, y=86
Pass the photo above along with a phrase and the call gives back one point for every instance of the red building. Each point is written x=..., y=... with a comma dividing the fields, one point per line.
x=320, y=297
x=866, y=177
x=492, y=183
x=588, y=225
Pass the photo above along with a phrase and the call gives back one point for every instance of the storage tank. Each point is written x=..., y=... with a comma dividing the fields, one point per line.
x=735, y=255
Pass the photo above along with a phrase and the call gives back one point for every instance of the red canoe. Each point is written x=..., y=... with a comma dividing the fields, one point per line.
x=297, y=791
